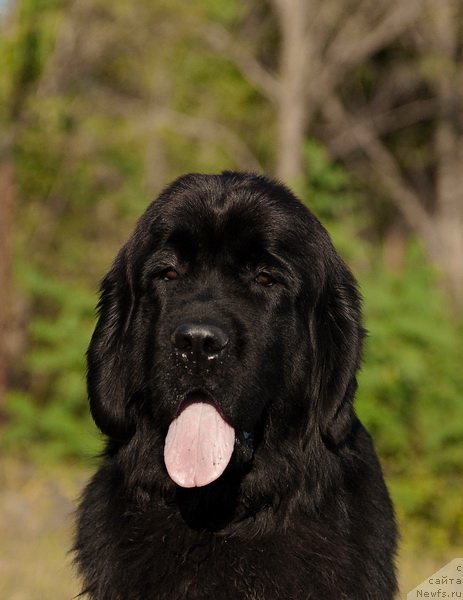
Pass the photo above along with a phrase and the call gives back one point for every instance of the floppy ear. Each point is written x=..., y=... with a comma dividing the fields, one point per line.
x=108, y=370
x=339, y=334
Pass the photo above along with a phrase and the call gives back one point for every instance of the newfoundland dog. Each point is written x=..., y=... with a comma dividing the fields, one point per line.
x=222, y=371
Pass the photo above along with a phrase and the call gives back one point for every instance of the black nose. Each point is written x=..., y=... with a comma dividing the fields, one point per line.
x=199, y=340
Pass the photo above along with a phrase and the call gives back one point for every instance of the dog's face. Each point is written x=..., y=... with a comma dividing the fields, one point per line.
x=227, y=324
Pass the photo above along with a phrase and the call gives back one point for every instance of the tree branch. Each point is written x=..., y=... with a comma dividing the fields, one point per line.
x=343, y=141
x=220, y=40
x=202, y=128
x=386, y=169
x=356, y=40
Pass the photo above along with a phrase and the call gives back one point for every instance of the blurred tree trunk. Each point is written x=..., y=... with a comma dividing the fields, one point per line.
x=6, y=206
x=292, y=106
x=321, y=41
x=20, y=43
x=434, y=212
x=446, y=31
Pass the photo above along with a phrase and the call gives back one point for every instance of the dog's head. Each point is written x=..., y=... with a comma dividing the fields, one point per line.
x=227, y=323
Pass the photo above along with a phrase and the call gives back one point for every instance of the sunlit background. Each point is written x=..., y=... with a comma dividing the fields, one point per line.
x=357, y=104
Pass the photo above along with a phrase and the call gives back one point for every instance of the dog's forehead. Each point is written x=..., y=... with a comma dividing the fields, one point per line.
x=242, y=217
x=236, y=235
x=232, y=218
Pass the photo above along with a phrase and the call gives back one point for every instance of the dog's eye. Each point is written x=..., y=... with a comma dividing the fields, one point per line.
x=170, y=274
x=265, y=279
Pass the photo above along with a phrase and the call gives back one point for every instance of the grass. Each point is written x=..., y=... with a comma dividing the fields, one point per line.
x=37, y=503
x=36, y=516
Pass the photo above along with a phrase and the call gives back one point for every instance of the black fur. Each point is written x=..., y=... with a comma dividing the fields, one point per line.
x=301, y=512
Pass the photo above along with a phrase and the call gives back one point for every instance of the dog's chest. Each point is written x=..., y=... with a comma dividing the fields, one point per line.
x=179, y=563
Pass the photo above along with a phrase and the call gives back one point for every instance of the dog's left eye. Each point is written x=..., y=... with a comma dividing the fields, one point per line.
x=265, y=279
x=170, y=274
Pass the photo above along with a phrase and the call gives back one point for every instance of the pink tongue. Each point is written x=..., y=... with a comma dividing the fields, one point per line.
x=199, y=445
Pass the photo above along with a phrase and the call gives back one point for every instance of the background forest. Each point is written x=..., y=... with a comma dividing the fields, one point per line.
x=357, y=104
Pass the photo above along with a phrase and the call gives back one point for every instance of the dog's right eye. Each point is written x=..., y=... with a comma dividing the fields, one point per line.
x=264, y=279
x=170, y=274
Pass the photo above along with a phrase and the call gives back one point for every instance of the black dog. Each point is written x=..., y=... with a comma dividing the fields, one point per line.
x=223, y=370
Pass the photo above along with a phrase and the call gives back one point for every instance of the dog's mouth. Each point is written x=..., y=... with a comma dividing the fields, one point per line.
x=199, y=443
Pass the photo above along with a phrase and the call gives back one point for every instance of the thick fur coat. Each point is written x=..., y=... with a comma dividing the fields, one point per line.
x=229, y=296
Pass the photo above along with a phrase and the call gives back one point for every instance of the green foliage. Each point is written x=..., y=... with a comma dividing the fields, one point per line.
x=331, y=192
x=51, y=417
x=24, y=50
x=408, y=319
x=410, y=397
x=409, y=394
x=91, y=148
x=330, y=187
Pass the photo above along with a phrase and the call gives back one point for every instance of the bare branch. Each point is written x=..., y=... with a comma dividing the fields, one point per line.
x=202, y=128
x=220, y=40
x=342, y=141
x=359, y=38
x=386, y=169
